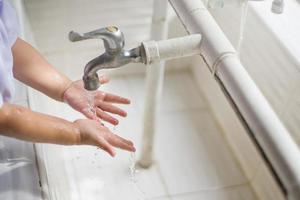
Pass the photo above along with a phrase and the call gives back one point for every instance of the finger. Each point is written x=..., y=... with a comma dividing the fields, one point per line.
x=103, y=79
x=111, y=108
x=115, y=99
x=120, y=143
x=124, y=140
x=89, y=114
x=106, y=117
x=103, y=144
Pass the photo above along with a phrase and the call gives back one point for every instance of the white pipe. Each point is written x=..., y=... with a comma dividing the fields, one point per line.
x=276, y=142
x=154, y=83
x=156, y=51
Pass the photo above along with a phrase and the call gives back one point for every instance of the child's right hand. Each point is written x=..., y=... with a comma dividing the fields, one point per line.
x=93, y=133
x=104, y=104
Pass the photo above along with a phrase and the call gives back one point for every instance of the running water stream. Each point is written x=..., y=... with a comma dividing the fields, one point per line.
x=133, y=171
x=132, y=168
x=91, y=103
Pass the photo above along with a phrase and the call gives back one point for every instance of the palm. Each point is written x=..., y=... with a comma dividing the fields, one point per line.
x=95, y=104
x=93, y=133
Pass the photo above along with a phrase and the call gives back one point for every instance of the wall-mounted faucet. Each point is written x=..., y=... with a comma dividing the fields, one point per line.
x=116, y=56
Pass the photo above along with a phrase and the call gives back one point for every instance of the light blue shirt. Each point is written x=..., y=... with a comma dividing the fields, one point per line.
x=8, y=35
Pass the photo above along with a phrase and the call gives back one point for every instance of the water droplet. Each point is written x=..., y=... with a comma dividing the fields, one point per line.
x=91, y=103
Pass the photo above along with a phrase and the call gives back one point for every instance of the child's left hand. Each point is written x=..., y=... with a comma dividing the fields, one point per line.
x=80, y=99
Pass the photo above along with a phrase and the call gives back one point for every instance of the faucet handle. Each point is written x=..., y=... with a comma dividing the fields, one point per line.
x=74, y=36
x=112, y=36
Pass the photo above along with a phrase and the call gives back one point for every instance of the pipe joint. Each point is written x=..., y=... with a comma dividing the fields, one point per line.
x=155, y=51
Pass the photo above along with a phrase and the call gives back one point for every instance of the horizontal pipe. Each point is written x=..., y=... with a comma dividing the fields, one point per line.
x=274, y=139
x=155, y=51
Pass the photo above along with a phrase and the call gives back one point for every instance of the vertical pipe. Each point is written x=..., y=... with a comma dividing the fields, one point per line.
x=154, y=83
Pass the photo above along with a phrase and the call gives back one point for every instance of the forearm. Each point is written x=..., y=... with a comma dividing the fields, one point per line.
x=31, y=68
x=22, y=123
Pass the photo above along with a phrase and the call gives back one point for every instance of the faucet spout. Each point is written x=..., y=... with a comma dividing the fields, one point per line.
x=116, y=56
x=108, y=61
x=113, y=57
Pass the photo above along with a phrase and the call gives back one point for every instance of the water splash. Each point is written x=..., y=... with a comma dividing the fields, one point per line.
x=91, y=103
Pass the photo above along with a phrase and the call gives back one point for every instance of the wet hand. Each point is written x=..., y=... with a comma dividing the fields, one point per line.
x=93, y=133
x=95, y=104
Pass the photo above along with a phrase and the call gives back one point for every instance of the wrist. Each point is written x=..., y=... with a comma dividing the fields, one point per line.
x=5, y=115
x=78, y=139
x=68, y=84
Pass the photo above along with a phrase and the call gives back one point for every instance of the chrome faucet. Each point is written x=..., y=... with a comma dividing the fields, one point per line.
x=113, y=57
x=146, y=53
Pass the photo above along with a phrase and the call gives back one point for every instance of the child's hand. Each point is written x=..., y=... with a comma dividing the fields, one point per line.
x=93, y=133
x=80, y=99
